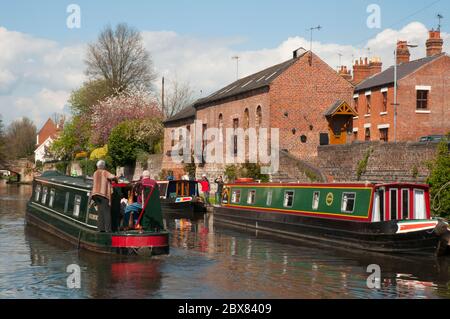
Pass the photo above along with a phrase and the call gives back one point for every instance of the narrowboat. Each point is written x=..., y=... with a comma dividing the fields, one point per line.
x=181, y=198
x=61, y=205
x=383, y=218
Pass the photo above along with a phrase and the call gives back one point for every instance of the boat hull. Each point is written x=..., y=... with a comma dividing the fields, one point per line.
x=83, y=237
x=184, y=210
x=382, y=237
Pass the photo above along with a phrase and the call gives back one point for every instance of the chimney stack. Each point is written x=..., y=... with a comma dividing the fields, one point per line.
x=403, y=54
x=364, y=69
x=345, y=73
x=375, y=66
x=434, y=43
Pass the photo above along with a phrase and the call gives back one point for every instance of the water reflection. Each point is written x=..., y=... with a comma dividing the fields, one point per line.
x=207, y=260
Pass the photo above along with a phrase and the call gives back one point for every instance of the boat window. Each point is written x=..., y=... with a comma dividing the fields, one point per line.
x=44, y=195
x=315, y=203
x=251, y=198
x=52, y=198
x=381, y=204
x=269, y=198
x=66, y=203
x=405, y=203
x=394, y=203
x=76, y=206
x=348, y=202
x=37, y=193
x=288, y=199
x=419, y=204
x=236, y=196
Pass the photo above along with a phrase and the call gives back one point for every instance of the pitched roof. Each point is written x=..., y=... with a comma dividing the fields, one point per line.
x=387, y=76
x=336, y=106
x=186, y=113
x=252, y=82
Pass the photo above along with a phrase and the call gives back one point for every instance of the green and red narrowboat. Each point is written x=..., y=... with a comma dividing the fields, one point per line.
x=385, y=218
x=61, y=205
x=181, y=198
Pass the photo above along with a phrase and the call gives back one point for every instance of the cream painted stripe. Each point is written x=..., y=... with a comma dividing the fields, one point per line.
x=290, y=187
x=63, y=185
x=65, y=216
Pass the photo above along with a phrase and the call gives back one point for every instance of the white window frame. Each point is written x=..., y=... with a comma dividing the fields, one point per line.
x=269, y=198
x=409, y=203
x=396, y=203
x=37, y=192
x=52, y=197
x=77, y=206
x=342, y=202
x=234, y=196
x=44, y=195
x=251, y=191
x=424, y=204
x=315, y=205
x=285, y=199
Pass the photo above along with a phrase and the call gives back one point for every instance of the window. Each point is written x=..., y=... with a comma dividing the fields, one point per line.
x=246, y=119
x=44, y=195
x=381, y=193
x=220, y=127
x=384, y=134
x=235, y=137
x=384, y=106
x=66, y=203
x=315, y=203
x=369, y=104
x=251, y=197
x=236, y=197
x=394, y=203
x=204, y=128
x=269, y=198
x=288, y=199
x=348, y=202
x=52, y=198
x=405, y=203
x=37, y=193
x=419, y=204
x=172, y=136
x=258, y=117
x=367, y=134
x=76, y=206
x=422, y=99
x=355, y=104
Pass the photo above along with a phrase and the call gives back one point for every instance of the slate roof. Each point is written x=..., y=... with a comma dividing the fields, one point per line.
x=186, y=113
x=252, y=82
x=387, y=77
x=332, y=109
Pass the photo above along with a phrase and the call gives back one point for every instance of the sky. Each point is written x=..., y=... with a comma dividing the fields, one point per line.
x=41, y=59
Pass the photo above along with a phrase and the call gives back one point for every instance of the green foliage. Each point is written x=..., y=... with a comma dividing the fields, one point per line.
x=247, y=170
x=231, y=172
x=88, y=167
x=73, y=139
x=82, y=100
x=312, y=176
x=62, y=167
x=2, y=140
x=415, y=172
x=130, y=138
x=21, y=135
x=190, y=168
x=362, y=164
x=439, y=180
x=142, y=158
x=39, y=166
x=164, y=174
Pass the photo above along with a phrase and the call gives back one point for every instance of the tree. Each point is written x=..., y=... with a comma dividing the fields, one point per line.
x=89, y=94
x=74, y=138
x=439, y=180
x=130, y=138
x=2, y=140
x=21, y=136
x=177, y=96
x=130, y=104
x=119, y=57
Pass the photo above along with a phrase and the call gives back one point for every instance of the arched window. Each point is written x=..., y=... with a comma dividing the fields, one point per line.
x=258, y=116
x=172, y=136
x=221, y=127
x=246, y=119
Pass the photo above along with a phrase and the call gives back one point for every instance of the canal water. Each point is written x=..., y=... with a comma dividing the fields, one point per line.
x=206, y=261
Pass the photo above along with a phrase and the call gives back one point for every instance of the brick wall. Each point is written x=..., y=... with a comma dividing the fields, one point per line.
x=389, y=162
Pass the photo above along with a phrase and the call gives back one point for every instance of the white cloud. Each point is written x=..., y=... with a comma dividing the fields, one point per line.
x=37, y=75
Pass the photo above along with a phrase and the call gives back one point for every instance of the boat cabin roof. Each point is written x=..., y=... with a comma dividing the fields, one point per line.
x=58, y=178
x=330, y=185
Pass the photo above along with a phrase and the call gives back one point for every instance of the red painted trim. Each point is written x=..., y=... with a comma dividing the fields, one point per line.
x=335, y=185
x=411, y=203
x=387, y=204
x=372, y=200
x=416, y=226
x=427, y=204
x=306, y=214
x=140, y=241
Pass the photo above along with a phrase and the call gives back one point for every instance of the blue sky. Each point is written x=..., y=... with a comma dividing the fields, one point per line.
x=42, y=61
x=260, y=24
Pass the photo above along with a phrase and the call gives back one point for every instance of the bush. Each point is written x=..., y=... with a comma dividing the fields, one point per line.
x=88, y=167
x=62, y=167
x=247, y=170
x=439, y=181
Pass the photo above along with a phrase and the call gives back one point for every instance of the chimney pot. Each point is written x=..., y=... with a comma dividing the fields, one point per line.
x=434, y=43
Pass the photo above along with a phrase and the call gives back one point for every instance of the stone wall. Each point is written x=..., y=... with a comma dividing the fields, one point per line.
x=388, y=162
x=153, y=165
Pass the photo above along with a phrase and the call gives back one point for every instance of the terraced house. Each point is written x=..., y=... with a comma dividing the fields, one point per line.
x=423, y=97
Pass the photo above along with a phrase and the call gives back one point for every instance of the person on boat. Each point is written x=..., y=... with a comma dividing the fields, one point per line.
x=170, y=177
x=204, y=183
x=220, y=183
x=101, y=194
x=138, y=190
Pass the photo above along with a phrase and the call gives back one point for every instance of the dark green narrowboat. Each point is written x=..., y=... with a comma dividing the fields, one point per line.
x=385, y=218
x=61, y=205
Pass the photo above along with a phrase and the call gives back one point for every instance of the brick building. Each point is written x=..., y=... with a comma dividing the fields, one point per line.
x=423, y=96
x=45, y=137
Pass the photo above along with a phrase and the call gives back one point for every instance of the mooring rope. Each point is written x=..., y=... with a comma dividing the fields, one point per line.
x=436, y=197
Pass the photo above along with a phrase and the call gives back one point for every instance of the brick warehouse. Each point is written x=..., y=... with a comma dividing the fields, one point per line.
x=294, y=96
x=423, y=97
